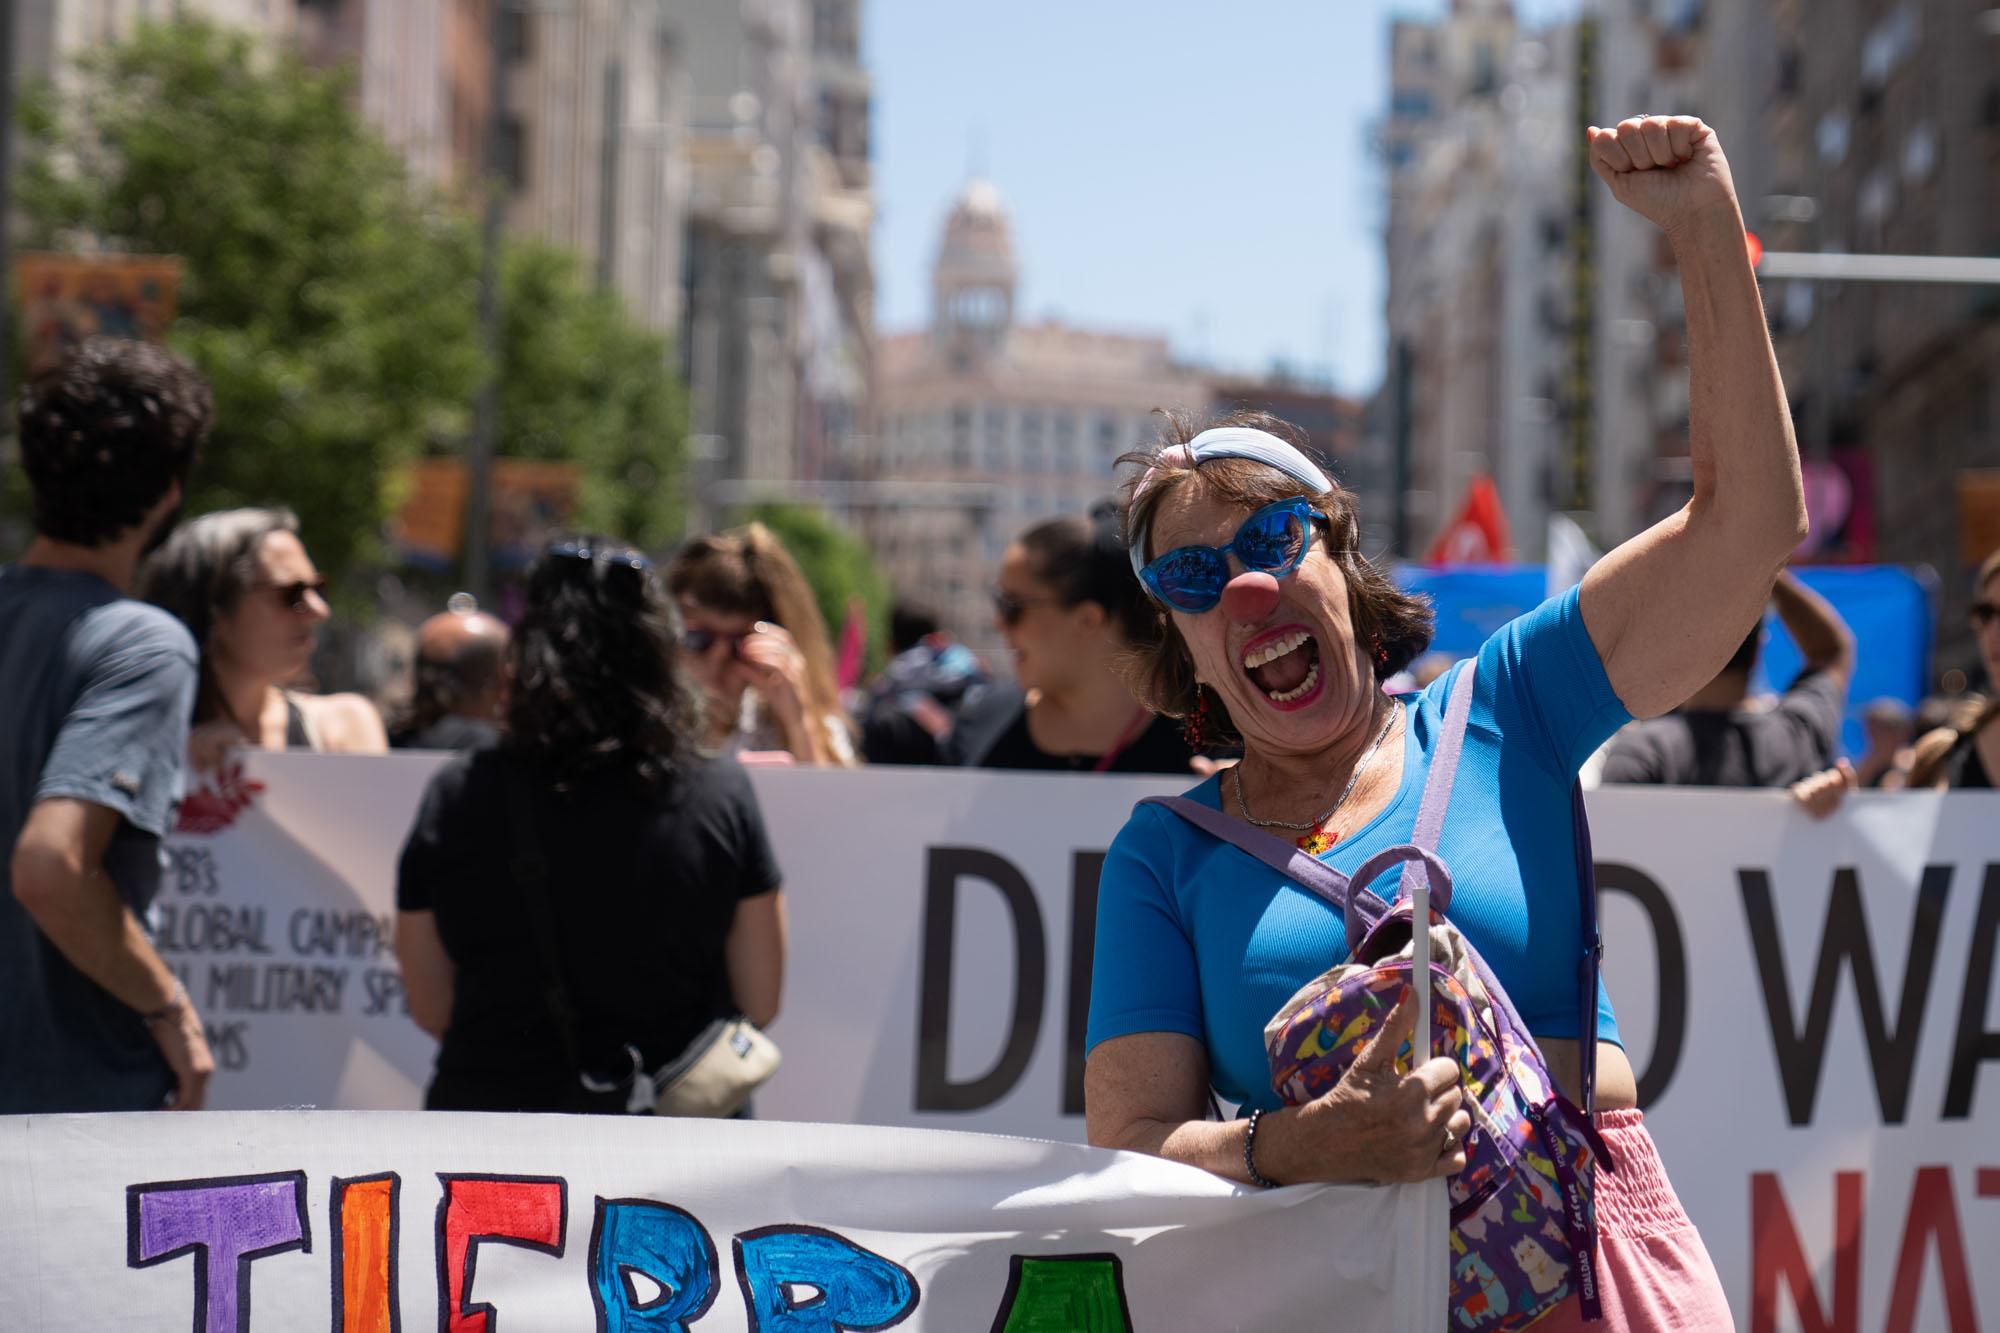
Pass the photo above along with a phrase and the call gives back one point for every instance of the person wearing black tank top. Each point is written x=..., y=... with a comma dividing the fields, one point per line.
x=241, y=581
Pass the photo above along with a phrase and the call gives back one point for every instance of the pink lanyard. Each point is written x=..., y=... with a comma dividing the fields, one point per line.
x=1138, y=724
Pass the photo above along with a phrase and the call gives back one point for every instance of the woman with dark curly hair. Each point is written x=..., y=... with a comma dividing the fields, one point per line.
x=656, y=879
x=1271, y=622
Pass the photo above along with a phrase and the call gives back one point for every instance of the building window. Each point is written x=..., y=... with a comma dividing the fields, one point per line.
x=515, y=42
x=961, y=438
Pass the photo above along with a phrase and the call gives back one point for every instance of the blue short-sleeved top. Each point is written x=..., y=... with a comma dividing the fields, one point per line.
x=1197, y=937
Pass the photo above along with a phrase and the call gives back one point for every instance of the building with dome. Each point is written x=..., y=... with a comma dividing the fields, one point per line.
x=989, y=425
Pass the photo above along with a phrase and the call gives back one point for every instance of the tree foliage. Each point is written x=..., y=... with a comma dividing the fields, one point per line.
x=330, y=298
x=839, y=566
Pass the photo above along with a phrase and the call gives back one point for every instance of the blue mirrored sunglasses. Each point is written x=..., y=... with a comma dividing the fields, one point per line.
x=1274, y=540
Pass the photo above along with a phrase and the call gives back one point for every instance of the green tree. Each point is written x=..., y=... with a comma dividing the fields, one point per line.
x=330, y=303
x=839, y=566
x=331, y=299
x=583, y=383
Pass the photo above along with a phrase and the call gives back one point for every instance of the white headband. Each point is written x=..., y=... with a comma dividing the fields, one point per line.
x=1258, y=446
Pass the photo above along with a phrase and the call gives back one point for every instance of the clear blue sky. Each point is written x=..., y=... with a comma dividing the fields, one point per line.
x=1179, y=166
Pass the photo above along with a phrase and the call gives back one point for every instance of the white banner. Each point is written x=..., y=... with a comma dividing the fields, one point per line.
x=369, y=1223
x=1810, y=1007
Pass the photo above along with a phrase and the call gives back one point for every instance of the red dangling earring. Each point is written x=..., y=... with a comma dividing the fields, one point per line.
x=1381, y=655
x=1191, y=725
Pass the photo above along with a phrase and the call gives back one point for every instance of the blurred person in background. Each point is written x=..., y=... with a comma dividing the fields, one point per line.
x=460, y=689
x=241, y=581
x=1890, y=726
x=1070, y=608
x=1717, y=739
x=661, y=887
x=758, y=646
x=914, y=705
x=1962, y=754
x=97, y=690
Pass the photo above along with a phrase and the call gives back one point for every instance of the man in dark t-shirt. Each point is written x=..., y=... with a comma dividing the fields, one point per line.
x=1716, y=739
x=460, y=690
x=96, y=690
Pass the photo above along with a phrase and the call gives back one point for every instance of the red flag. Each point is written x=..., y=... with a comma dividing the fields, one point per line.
x=1478, y=536
x=853, y=644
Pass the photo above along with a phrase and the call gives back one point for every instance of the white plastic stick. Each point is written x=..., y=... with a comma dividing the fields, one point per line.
x=1420, y=968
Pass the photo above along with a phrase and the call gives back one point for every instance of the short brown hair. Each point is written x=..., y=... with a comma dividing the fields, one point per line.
x=1159, y=669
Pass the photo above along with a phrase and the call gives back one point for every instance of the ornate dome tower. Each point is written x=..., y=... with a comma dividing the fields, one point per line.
x=972, y=284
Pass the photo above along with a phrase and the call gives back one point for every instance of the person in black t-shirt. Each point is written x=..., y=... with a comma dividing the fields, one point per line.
x=1069, y=603
x=660, y=883
x=1716, y=740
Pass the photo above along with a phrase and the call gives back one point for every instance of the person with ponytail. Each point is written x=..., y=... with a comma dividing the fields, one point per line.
x=1070, y=609
x=756, y=642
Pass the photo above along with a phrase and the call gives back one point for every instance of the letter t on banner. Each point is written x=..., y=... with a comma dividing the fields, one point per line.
x=224, y=1222
x=529, y=1211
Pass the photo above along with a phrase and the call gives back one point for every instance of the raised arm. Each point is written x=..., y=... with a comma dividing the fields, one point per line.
x=1825, y=643
x=1666, y=609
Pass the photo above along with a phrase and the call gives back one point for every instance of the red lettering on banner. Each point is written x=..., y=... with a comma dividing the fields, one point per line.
x=1933, y=1215
x=1776, y=1257
x=1989, y=1182
x=528, y=1211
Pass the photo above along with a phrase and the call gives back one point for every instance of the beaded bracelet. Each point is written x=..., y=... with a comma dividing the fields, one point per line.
x=1257, y=1177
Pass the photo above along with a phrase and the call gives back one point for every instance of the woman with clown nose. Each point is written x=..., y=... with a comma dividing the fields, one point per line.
x=1277, y=632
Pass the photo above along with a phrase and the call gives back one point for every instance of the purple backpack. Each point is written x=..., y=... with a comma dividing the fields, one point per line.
x=1523, y=1229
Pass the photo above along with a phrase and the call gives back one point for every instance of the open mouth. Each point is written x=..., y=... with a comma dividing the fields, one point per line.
x=1284, y=665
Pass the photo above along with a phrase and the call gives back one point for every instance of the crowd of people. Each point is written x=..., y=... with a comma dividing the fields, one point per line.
x=1217, y=621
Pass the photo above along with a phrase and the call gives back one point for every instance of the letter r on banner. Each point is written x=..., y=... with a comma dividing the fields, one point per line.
x=225, y=1222
x=638, y=1240
x=531, y=1212
x=801, y=1279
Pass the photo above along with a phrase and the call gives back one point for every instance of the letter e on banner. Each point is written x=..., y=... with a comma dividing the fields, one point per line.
x=225, y=1222
x=653, y=1267
x=531, y=1212
x=800, y=1279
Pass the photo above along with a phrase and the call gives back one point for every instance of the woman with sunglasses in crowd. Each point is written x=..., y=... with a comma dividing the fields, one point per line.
x=242, y=582
x=1964, y=753
x=757, y=644
x=584, y=900
x=1274, y=626
x=1069, y=608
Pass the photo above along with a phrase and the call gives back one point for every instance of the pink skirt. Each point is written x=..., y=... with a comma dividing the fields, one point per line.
x=1654, y=1273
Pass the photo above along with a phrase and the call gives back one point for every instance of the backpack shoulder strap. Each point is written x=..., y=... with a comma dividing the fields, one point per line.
x=1444, y=760
x=1309, y=872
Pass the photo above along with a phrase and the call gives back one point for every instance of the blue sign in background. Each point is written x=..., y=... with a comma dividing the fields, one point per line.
x=1889, y=609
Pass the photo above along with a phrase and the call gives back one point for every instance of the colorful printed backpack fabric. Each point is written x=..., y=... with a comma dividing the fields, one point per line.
x=1523, y=1235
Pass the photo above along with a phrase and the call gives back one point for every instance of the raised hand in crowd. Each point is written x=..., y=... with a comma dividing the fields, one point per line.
x=1822, y=793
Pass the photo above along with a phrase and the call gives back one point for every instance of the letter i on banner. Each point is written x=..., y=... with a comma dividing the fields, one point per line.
x=529, y=1211
x=225, y=1222
x=364, y=1254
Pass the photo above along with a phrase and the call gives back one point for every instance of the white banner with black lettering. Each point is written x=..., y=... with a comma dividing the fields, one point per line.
x=1809, y=1007
x=369, y=1223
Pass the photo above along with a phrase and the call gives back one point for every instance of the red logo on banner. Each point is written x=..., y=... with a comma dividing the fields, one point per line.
x=220, y=797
